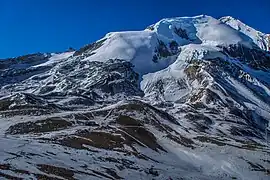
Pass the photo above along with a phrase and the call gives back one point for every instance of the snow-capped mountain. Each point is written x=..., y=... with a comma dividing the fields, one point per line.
x=259, y=38
x=186, y=98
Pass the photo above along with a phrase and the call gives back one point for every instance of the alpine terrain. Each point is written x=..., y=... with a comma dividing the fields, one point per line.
x=186, y=98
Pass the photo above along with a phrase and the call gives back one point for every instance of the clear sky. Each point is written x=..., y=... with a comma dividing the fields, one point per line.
x=29, y=26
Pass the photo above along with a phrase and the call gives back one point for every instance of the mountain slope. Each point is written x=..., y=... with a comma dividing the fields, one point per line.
x=186, y=98
x=259, y=38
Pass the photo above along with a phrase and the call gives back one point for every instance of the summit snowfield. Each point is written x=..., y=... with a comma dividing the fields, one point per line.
x=186, y=98
x=140, y=45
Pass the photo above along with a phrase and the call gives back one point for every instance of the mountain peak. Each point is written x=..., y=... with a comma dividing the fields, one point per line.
x=259, y=38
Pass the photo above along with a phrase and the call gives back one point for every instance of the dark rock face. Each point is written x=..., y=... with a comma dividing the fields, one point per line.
x=26, y=59
x=174, y=47
x=41, y=126
x=88, y=49
x=181, y=33
x=163, y=51
x=254, y=58
x=112, y=77
x=82, y=81
x=151, y=27
x=14, y=70
x=27, y=104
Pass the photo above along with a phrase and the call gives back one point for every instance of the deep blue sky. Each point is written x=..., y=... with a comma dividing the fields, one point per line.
x=29, y=26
